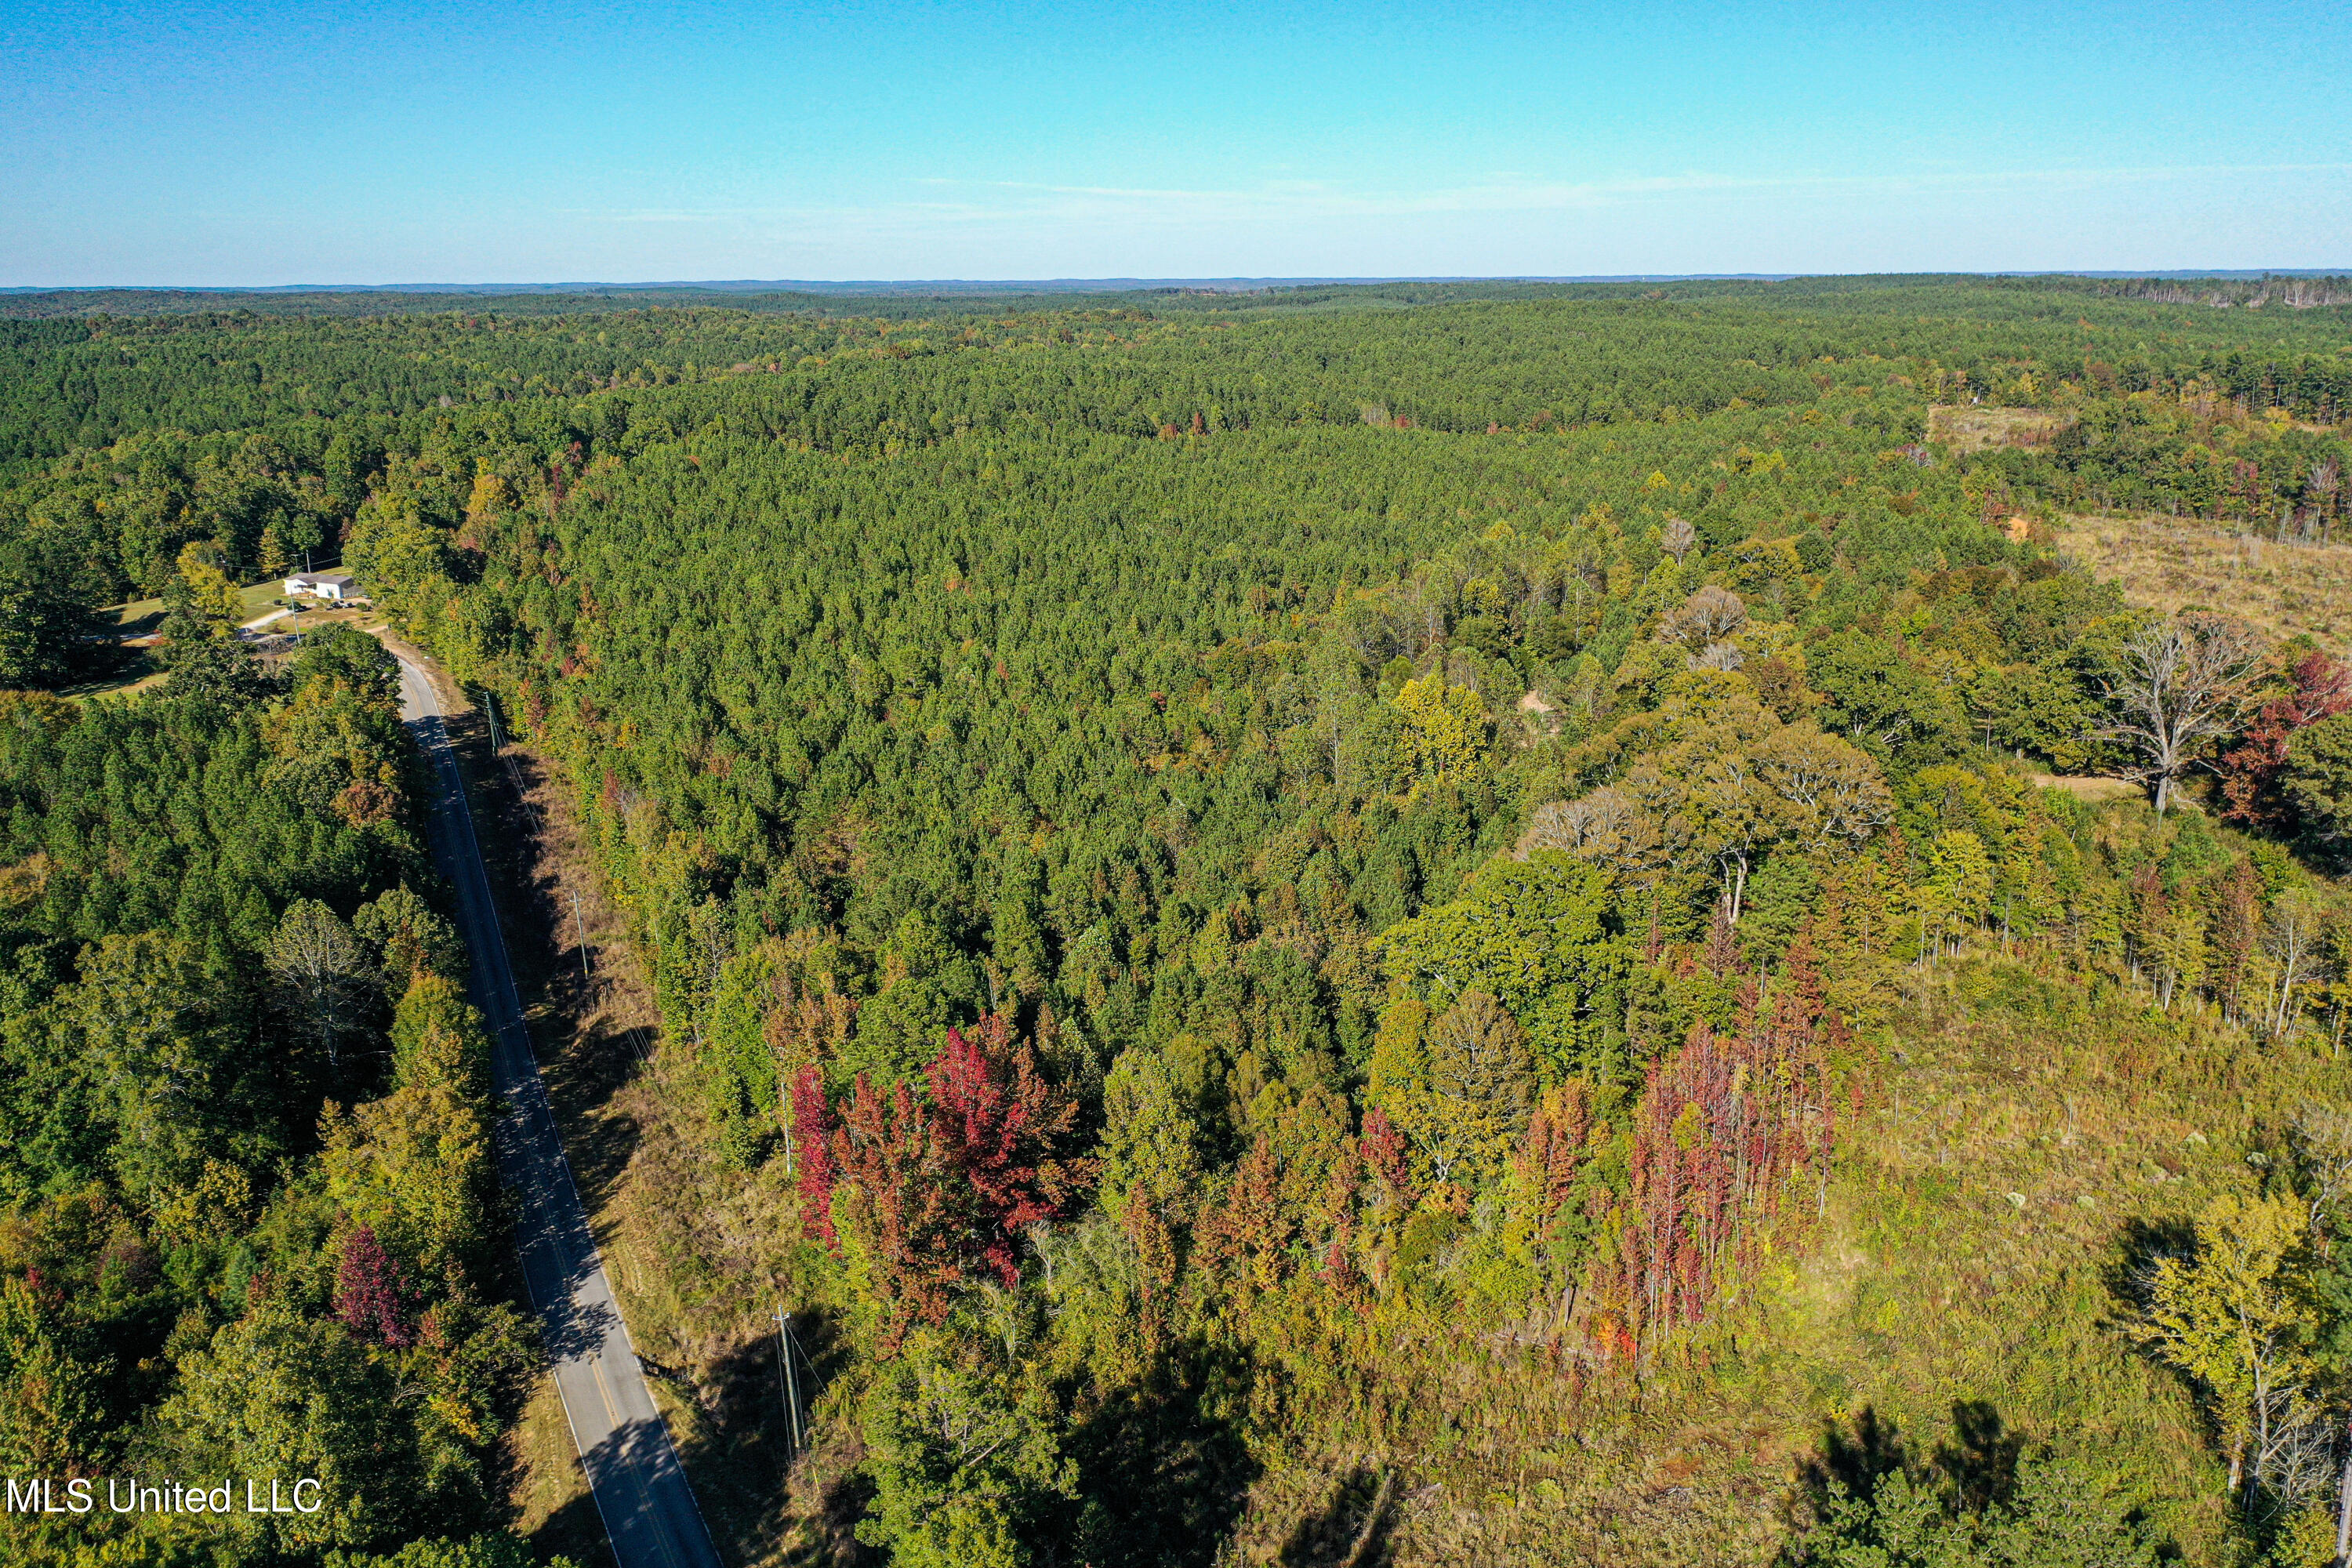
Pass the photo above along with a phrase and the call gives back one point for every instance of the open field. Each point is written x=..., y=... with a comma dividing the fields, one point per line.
x=2171, y=563
x=2025, y=1133
x=137, y=674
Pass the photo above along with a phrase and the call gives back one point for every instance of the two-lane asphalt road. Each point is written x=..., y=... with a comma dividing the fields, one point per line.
x=641, y=1489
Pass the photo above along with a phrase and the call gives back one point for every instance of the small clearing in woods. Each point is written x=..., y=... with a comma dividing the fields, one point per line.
x=1972, y=429
x=2174, y=564
x=2088, y=787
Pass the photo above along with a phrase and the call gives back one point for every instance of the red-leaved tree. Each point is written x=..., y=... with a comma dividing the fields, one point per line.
x=946, y=1184
x=1000, y=1125
x=2250, y=773
x=904, y=1204
x=368, y=1293
x=1555, y=1146
x=1383, y=1150
x=1724, y=1126
x=813, y=1169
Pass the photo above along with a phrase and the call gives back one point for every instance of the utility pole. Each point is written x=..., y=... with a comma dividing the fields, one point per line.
x=490, y=707
x=792, y=1380
x=579, y=932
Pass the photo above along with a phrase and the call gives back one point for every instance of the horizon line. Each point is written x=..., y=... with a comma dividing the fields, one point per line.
x=1227, y=284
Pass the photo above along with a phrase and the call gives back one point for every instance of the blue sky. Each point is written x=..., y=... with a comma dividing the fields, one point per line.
x=156, y=143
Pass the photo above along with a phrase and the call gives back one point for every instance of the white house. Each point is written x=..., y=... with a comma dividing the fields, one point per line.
x=334, y=585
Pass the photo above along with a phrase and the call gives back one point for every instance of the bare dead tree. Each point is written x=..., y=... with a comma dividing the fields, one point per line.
x=2296, y=937
x=325, y=970
x=1718, y=656
x=1711, y=615
x=1676, y=537
x=2321, y=1138
x=2293, y=1456
x=1607, y=828
x=2179, y=684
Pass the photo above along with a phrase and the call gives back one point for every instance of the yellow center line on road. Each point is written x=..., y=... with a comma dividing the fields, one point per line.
x=637, y=1481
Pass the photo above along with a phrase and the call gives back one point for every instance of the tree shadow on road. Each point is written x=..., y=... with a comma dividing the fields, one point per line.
x=585, y=1056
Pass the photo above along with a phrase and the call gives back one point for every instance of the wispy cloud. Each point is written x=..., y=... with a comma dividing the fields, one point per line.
x=952, y=202
x=1517, y=192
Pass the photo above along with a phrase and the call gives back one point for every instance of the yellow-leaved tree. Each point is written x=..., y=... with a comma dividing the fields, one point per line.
x=210, y=592
x=1445, y=726
x=2232, y=1316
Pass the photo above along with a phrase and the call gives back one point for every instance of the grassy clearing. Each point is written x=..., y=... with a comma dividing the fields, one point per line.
x=2171, y=563
x=2026, y=1132
x=1972, y=429
x=2031, y=1132
x=136, y=674
x=141, y=617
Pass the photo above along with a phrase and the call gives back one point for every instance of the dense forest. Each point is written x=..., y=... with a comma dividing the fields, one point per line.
x=1347, y=926
x=249, y=1209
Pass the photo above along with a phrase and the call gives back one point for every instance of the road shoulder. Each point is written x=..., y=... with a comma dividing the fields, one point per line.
x=696, y=1255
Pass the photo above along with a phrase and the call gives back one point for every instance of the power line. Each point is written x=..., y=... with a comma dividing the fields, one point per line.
x=638, y=1040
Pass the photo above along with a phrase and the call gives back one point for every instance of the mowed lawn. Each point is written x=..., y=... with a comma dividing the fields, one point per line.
x=140, y=619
